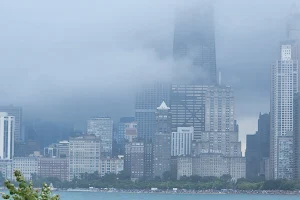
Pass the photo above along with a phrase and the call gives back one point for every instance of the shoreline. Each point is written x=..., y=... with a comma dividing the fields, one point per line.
x=196, y=192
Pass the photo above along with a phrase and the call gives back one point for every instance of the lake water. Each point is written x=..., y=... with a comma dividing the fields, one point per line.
x=141, y=196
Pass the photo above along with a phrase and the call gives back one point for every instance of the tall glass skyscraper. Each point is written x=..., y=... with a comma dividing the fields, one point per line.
x=147, y=101
x=194, y=45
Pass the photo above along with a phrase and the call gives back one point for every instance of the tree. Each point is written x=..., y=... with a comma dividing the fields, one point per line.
x=25, y=190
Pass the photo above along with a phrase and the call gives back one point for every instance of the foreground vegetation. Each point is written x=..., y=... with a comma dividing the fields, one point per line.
x=25, y=190
x=122, y=181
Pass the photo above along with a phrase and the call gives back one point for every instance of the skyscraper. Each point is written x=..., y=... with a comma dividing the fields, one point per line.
x=162, y=141
x=102, y=127
x=7, y=129
x=284, y=84
x=296, y=134
x=219, y=109
x=17, y=113
x=194, y=44
x=147, y=100
x=188, y=107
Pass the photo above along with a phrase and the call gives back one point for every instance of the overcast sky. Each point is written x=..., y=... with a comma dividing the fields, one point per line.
x=74, y=59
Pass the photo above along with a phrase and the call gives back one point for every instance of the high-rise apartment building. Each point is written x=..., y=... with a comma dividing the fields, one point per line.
x=162, y=141
x=134, y=160
x=123, y=124
x=194, y=44
x=181, y=141
x=284, y=84
x=7, y=130
x=17, y=113
x=147, y=100
x=102, y=127
x=84, y=155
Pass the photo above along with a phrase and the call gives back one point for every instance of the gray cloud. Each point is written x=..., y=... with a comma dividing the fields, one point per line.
x=73, y=59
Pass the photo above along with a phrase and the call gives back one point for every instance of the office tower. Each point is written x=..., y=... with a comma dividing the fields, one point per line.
x=111, y=165
x=63, y=148
x=147, y=100
x=102, y=127
x=188, y=107
x=253, y=157
x=181, y=141
x=162, y=141
x=219, y=109
x=84, y=155
x=284, y=84
x=134, y=160
x=7, y=130
x=194, y=45
x=258, y=149
x=264, y=134
x=17, y=113
x=53, y=167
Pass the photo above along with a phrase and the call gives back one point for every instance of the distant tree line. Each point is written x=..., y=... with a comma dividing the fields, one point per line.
x=122, y=181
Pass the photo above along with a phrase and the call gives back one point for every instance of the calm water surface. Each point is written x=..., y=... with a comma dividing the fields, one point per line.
x=126, y=196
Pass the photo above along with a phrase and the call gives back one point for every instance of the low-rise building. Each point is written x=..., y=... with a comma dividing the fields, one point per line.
x=111, y=165
x=54, y=167
x=27, y=165
x=184, y=167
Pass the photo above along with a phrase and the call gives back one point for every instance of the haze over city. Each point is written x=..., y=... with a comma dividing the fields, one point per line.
x=67, y=61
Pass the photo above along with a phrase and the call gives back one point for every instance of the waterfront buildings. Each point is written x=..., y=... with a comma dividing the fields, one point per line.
x=111, y=165
x=7, y=131
x=284, y=84
x=53, y=167
x=27, y=165
x=102, y=127
x=84, y=155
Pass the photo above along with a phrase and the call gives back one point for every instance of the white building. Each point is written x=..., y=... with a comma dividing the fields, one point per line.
x=102, y=127
x=84, y=155
x=17, y=113
x=7, y=130
x=63, y=148
x=181, y=141
x=111, y=165
x=284, y=84
x=6, y=168
x=27, y=165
